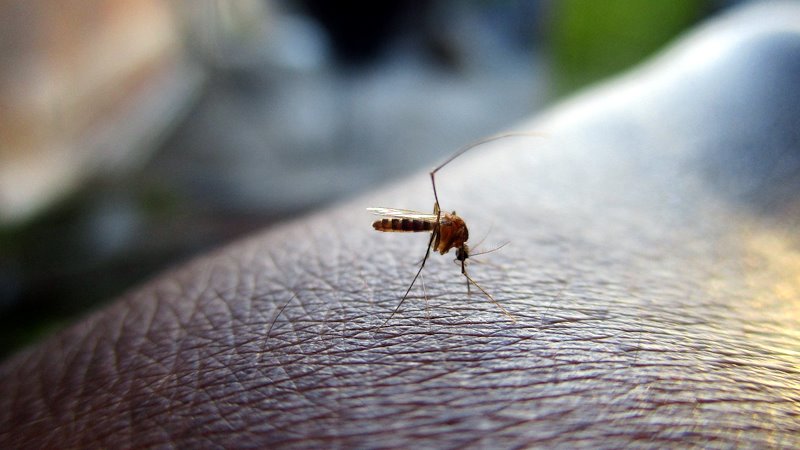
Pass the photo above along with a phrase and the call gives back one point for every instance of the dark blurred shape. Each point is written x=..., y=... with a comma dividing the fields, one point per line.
x=361, y=30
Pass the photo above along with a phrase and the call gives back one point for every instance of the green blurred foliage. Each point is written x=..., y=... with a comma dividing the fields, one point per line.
x=592, y=39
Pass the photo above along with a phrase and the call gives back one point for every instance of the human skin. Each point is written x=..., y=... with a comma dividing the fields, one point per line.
x=653, y=268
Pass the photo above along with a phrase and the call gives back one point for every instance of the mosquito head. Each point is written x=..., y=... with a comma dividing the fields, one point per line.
x=462, y=253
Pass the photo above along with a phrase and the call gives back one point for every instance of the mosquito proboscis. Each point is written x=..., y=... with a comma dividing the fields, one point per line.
x=448, y=230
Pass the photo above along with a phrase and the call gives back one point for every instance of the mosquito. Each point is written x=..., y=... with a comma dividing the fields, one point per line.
x=448, y=230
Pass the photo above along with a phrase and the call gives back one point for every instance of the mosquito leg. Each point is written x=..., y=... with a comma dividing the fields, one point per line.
x=436, y=209
x=496, y=137
x=435, y=195
x=427, y=253
x=425, y=296
x=508, y=314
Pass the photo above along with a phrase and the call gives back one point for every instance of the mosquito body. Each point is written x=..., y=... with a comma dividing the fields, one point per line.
x=448, y=230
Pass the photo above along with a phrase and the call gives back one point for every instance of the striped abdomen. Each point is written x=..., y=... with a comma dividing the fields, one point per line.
x=402, y=225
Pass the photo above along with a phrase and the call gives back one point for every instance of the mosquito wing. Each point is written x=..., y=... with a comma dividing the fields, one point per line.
x=403, y=214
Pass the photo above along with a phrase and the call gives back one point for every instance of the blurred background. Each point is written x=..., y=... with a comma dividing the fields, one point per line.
x=135, y=134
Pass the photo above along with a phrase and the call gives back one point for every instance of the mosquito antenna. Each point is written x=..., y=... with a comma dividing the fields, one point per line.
x=491, y=227
x=425, y=296
x=489, y=251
